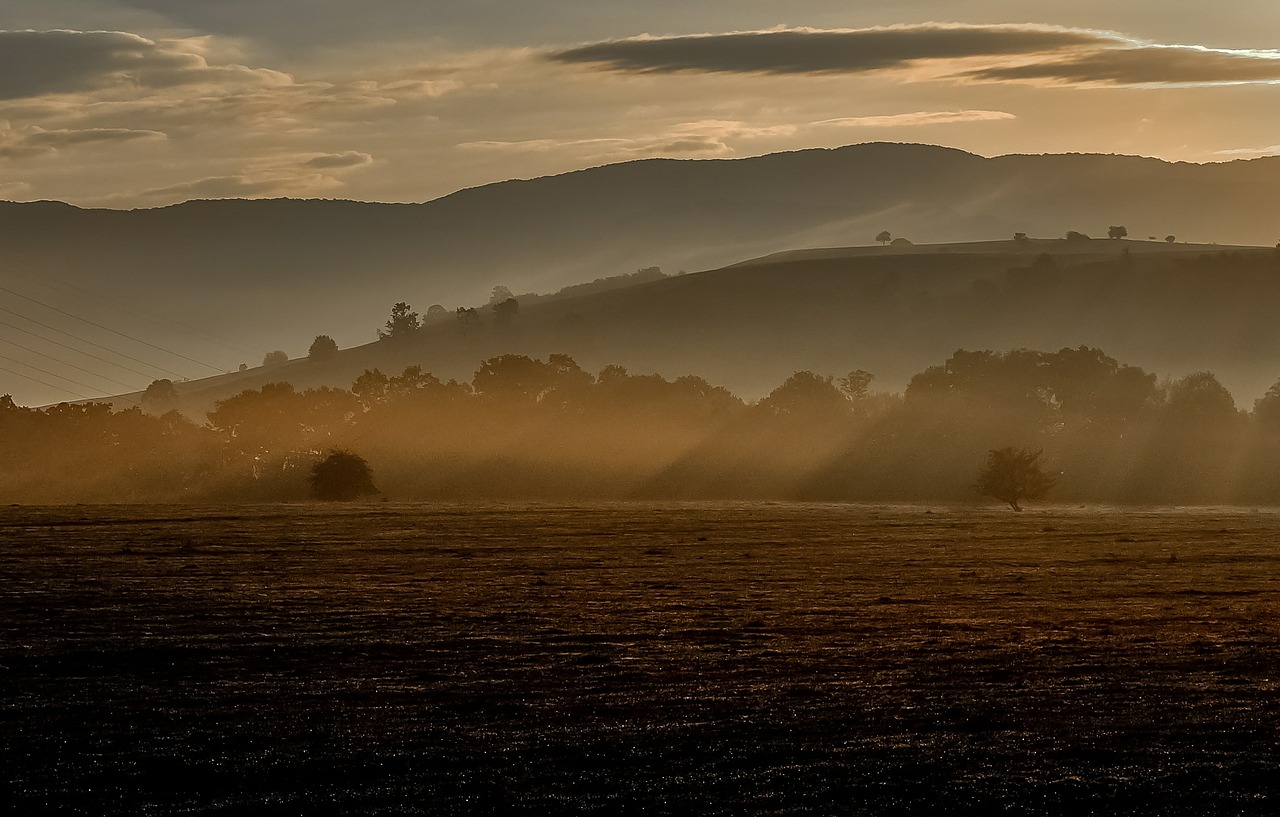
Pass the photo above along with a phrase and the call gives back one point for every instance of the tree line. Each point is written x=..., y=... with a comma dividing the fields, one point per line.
x=532, y=428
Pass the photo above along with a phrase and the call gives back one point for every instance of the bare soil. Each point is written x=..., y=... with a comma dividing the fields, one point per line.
x=623, y=658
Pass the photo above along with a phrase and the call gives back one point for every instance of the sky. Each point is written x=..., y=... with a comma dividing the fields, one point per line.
x=143, y=103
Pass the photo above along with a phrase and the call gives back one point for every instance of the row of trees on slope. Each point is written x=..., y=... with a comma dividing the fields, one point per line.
x=523, y=427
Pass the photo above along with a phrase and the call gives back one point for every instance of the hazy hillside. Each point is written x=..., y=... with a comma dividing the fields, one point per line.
x=1171, y=309
x=273, y=274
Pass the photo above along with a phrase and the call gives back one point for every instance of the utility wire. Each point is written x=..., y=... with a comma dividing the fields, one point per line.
x=112, y=331
x=136, y=311
x=55, y=374
x=43, y=382
x=70, y=365
x=91, y=343
x=74, y=349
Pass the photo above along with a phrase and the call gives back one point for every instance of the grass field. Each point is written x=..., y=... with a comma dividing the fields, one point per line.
x=622, y=658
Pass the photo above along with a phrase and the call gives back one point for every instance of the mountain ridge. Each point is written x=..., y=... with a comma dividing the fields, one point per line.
x=274, y=273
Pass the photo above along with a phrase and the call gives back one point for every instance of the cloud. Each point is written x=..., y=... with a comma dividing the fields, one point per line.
x=539, y=145
x=296, y=175
x=36, y=63
x=918, y=118
x=1146, y=65
x=818, y=51
x=14, y=189
x=34, y=140
x=1270, y=150
x=706, y=137
x=989, y=53
x=244, y=185
x=339, y=161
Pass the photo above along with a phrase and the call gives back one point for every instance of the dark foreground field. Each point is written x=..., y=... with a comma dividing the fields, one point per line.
x=731, y=659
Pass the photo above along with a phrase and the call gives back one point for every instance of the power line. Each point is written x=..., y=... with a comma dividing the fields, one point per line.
x=136, y=311
x=43, y=382
x=71, y=365
x=92, y=343
x=74, y=349
x=55, y=374
x=112, y=331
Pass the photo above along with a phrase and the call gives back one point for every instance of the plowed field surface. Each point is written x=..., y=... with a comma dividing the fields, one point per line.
x=623, y=658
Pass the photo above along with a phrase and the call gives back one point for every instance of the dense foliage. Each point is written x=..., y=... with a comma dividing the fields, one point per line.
x=342, y=476
x=549, y=429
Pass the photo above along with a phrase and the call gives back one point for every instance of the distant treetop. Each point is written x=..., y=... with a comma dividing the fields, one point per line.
x=322, y=348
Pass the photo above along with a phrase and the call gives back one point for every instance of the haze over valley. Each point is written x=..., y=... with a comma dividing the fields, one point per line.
x=743, y=407
x=221, y=283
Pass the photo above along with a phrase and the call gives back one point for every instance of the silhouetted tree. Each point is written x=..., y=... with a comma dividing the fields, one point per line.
x=370, y=387
x=1021, y=238
x=1199, y=400
x=259, y=421
x=807, y=396
x=322, y=348
x=413, y=380
x=160, y=396
x=1119, y=231
x=1074, y=236
x=402, y=323
x=276, y=358
x=1169, y=239
x=521, y=378
x=342, y=476
x=884, y=236
x=436, y=312
x=1266, y=409
x=856, y=384
x=1012, y=475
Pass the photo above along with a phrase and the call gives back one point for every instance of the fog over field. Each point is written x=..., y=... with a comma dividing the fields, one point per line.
x=734, y=407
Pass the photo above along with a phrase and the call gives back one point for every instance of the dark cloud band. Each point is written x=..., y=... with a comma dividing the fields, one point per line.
x=1017, y=53
x=804, y=51
x=1149, y=65
x=35, y=63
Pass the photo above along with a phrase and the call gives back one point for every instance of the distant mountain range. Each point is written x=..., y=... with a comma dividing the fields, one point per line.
x=276, y=273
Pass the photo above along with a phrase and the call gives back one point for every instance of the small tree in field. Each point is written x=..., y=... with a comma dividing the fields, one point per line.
x=1013, y=474
x=884, y=237
x=342, y=476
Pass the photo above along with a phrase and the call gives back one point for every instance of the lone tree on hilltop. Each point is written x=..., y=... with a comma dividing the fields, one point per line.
x=341, y=477
x=1013, y=474
x=160, y=396
x=884, y=237
x=322, y=348
x=1117, y=232
x=402, y=323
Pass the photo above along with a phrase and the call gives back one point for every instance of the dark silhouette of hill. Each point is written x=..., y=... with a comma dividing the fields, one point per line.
x=1171, y=309
x=276, y=273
